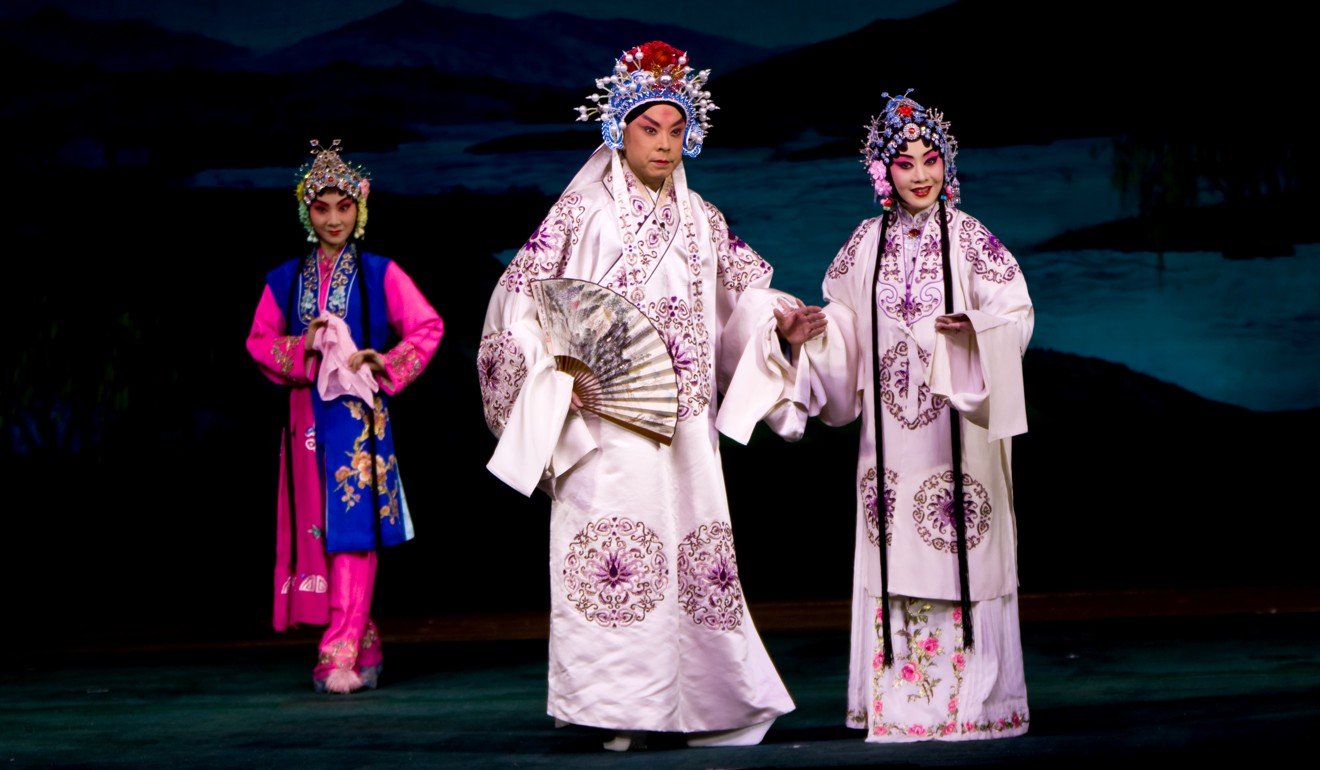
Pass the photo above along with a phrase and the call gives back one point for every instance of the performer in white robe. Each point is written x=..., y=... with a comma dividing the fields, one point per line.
x=938, y=682
x=649, y=630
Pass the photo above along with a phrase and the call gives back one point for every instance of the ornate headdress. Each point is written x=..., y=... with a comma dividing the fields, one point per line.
x=902, y=121
x=652, y=72
x=329, y=171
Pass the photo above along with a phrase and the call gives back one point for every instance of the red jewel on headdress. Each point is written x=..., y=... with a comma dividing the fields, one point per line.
x=905, y=110
x=655, y=55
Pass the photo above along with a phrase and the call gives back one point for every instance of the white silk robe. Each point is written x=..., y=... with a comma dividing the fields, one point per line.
x=649, y=629
x=935, y=688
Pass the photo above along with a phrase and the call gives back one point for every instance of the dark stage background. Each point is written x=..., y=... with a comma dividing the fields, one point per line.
x=140, y=441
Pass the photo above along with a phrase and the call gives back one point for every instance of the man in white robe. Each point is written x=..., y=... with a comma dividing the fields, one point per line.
x=649, y=630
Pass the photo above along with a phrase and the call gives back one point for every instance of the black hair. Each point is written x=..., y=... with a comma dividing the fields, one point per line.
x=644, y=106
x=332, y=188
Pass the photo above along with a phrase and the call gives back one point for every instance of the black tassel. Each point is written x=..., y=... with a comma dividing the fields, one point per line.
x=955, y=443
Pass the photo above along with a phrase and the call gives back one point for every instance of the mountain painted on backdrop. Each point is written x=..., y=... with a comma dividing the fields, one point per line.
x=134, y=94
x=556, y=48
x=1025, y=71
x=53, y=35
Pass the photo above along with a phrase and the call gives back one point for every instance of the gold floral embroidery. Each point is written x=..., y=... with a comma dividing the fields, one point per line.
x=404, y=364
x=358, y=473
x=342, y=655
x=284, y=351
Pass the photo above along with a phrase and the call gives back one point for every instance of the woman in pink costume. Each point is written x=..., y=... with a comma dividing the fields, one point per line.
x=319, y=328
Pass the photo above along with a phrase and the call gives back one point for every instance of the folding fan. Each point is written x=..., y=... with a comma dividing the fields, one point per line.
x=619, y=362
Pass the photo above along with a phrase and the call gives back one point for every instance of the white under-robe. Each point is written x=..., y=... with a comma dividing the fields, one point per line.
x=648, y=627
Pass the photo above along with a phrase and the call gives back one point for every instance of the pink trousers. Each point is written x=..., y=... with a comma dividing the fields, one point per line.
x=350, y=641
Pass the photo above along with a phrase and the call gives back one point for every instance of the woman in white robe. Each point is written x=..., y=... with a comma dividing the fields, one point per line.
x=938, y=681
x=649, y=630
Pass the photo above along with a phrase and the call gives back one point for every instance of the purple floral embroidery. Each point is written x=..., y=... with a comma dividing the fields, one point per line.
x=891, y=260
x=616, y=571
x=870, y=504
x=541, y=241
x=639, y=206
x=847, y=256
x=695, y=257
x=908, y=295
x=739, y=265
x=647, y=229
x=912, y=407
x=987, y=254
x=546, y=253
x=501, y=369
x=931, y=258
x=708, y=587
x=688, y=341
x=934, y=511
x=682, y=361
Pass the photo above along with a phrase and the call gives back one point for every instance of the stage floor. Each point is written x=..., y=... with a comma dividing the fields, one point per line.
x=1111, y=678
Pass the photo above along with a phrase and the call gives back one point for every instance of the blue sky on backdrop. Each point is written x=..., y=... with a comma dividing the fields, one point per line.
x=264, y=24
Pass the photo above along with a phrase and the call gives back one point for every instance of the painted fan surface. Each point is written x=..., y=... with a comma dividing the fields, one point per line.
x=619, y=362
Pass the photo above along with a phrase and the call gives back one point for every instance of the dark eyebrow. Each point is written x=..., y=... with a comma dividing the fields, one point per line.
x=910, y=156
x=681, y=120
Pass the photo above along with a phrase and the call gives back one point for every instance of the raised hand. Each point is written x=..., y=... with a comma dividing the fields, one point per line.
x=798, y=323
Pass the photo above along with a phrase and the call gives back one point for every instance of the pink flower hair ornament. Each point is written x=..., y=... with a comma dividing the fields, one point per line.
x=903, y=120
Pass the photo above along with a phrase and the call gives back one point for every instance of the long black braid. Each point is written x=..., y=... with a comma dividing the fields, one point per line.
x=881, y=524
x=955, y=445
x=955, y=435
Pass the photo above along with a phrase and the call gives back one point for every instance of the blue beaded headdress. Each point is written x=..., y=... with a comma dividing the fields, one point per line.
x=902, y=121
x=652, y=72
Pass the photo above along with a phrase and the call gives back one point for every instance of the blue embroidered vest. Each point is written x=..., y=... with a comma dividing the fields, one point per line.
x=349, y=432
